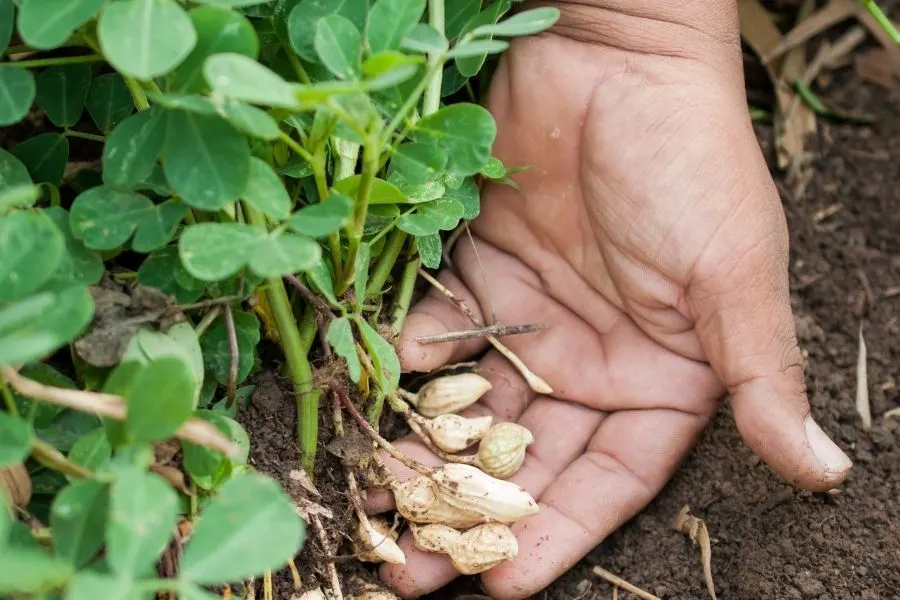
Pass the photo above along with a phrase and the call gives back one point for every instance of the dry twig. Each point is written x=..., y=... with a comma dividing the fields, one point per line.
x=193, y=430
x=618, y=582
x=695, y=529
x=467, y=334
x=235, y=354
x=534, y=381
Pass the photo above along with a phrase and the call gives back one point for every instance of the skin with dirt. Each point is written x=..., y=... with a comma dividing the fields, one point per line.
x=769, y=540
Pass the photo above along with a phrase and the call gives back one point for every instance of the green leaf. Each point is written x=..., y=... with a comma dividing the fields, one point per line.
x=132, y=148
x=417, y=192
x=338, y=45
x=13, y=172
x=18, y=196
x=207, y=160
x=109, y=102
x=465, y=131
x=321, y=279
x=524, y=23
x=18, y=93
x=41, y=323
x=284, y=254
x=478, y=48
x=324, y=218
x=382, y=192
x=265, y=190
x=143, y=511
x=209, y=468
x=92, y=451
x=88, y=585
x=214, y=251
x=45, y=155
x=249, y=119
x=180, y=340
x=361, y=276
x=340, y=336
x=145, y=38
x=425, y=39
x=242, y=78
x=305, y=16
x=419, y=162
x=67, y=428
x=15, y=440
x=46, y=24
x=226, y=544
x=218, y=30
x=156, y=228
x=431, y=217
x=62, y=91
x=466, y=194
x=469, y=67
x=78, y=263
x=7, y=20
x=104, y=217
x=77, y=520
x=296, y=168
x=384, y=358
x=43, y=412
x=429, y=247
x=216, y=353
x=390, y=21
x=32, y=247
x=388, y=61
x=457, y=14
x=163, y=270
x=29, y=570
x=160, y=400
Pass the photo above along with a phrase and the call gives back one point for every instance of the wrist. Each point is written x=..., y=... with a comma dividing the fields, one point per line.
x=679, y=28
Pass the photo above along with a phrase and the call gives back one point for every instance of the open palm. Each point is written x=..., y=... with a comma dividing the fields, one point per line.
x=648, y=235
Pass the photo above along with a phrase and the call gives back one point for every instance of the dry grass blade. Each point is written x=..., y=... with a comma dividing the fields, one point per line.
x=197, y=431
x=862, y=385
x=875, y=65
x=840, y=50
x=833, y=12
x=618, y=582
x=695, y=529
x=893, y=413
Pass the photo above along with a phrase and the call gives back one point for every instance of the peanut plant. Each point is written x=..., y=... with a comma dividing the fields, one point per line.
x=181, y=182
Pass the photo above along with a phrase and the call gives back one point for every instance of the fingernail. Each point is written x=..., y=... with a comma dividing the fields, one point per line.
x=832, y=458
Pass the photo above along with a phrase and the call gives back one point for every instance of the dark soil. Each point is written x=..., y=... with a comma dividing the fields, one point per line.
x=769, y=540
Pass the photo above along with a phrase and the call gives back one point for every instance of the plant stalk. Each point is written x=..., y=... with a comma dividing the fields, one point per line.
x=883, y=20
x=404, y=294
x=357, y=227
x=432, y=99
x=52, y=458
x=386, y=261
x=51, y=62
x=8, y=398
x=307, y=396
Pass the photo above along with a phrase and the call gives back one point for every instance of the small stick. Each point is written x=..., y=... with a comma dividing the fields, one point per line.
x=235, y=354
x=226, y=300
x=267, y=586
x=372, y=433
x=467, y=334
x=295, y=575
x=619, y=582
x=193, y=430
x=535, y=382
x=332, y=570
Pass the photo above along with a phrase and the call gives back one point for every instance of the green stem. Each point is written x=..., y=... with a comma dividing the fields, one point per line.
x=8, y=398
x=308, y=328
x=357, y=227
x=883, y=20
x=85, y=136
x=386, y=261
x=293, y=145
x=411, y=101
x=373, y=414
x=404, y=295
x=49, y=62
x=137, y=93
x=292, y=56
x=432, y=99
x=307, y=396
x=52, y=458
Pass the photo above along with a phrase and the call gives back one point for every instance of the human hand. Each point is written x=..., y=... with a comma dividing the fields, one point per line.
x=649, y=235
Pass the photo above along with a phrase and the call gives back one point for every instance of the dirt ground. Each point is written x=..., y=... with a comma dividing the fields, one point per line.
x=769, y=541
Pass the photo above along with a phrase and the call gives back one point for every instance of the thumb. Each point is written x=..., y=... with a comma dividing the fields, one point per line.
x=746, y=326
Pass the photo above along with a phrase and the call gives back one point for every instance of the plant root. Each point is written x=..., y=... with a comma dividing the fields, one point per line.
x=618, y=582
x=193, y=430
x=695, y=529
